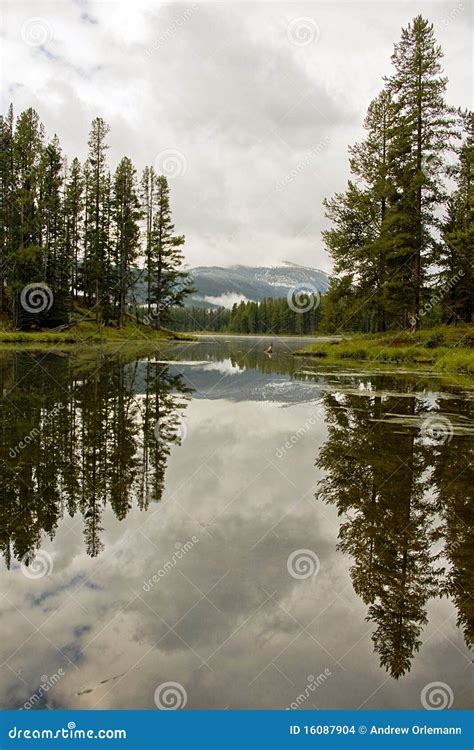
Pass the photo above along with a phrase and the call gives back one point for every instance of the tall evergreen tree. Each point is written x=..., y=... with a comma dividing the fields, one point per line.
x=457, y=251
x=27, y=150
x=126, y=215
x=355, y=232
x=7, y=188
x=73, y=210
x=96, y=239
x=369, y=162
x=169, y=282
x=422, y=133
x=148, y=188
x=52, y=227
x=28, y=260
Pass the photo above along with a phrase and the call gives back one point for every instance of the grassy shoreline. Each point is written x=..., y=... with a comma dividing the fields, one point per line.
x=86, y=334
x=441, y=349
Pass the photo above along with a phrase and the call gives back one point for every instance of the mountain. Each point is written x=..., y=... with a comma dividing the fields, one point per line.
x=216, y=286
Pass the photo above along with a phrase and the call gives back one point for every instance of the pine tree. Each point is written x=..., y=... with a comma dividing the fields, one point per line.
x=369, y=162
x=96, y=240
x=27, y=149
x=110, y=271
x=422, y=133
x=51, y=217
x=457, y=252
x=355, y=232
x=169, y=283
x=7, y=187
x=28, y=263
x=126, y=215
x=148, y=187
x=73, y=210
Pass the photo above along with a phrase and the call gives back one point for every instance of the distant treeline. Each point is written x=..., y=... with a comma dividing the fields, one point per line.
x=78, y=232
x=297, y=316
x=401, y=235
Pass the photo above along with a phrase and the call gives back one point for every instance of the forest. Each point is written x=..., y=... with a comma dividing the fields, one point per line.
x=401, y=233
x=270, y=315
x=75, y=234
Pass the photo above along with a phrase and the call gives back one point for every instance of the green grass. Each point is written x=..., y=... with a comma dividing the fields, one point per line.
x=443, y=349
x=86, y=332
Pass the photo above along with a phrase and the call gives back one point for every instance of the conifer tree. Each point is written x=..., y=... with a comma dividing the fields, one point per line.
x=169, y=282
x=52, y=232
x=96, y=248
x=422, y=133
x=126, y=215
x=369, y=162
x=73, y=209
x=27, y=149
x=6, y=201
x=148, y=192
x=27, y=261
x=457, y=252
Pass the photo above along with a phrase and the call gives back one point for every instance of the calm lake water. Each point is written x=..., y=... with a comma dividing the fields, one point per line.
x=262, y=532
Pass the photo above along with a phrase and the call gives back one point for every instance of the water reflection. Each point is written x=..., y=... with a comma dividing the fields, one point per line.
x=75, y=440
x=105, y=439
x=404, y=493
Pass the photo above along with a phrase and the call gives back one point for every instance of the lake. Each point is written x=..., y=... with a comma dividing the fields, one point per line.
x=208, y=526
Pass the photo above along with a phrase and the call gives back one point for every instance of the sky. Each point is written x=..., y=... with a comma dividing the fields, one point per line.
x=248, y=108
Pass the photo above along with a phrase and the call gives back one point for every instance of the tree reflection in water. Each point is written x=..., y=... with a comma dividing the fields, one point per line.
x=406, y=503
x=76, y=439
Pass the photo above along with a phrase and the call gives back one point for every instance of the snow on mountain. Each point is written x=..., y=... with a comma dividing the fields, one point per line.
x=217, y=285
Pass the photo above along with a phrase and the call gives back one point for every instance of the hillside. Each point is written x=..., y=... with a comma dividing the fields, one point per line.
x=219, y=286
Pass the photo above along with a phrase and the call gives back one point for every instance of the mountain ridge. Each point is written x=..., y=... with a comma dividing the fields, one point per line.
x=223, y=285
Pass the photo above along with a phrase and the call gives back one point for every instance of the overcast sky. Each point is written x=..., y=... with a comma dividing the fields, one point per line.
x=248, y=107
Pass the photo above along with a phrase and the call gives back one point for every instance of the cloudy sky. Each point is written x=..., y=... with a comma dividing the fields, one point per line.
x=248, y=107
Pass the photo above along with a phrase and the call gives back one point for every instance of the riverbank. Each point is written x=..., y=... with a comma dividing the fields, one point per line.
x=443, y=349
x=86, y=333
